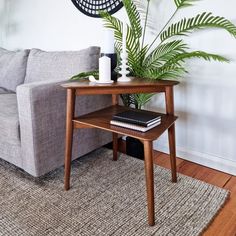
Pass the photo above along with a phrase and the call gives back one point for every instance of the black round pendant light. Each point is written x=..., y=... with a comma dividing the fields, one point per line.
x=92, y=7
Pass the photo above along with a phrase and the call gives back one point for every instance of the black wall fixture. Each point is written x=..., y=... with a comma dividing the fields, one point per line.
x=92, y=7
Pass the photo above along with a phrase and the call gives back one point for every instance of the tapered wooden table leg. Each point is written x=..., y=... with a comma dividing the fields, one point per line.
x=115, y=146
x=149, y=181
x=172, y=147
x=69, y=135
x=115, y=101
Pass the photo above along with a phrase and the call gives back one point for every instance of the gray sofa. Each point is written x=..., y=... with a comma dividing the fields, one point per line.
x=32, y=107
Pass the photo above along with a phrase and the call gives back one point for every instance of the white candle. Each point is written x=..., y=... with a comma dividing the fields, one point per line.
x=124, y=37
x=108, y=44
x=104, y=69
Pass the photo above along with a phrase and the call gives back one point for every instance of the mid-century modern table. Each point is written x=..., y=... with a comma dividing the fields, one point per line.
x=101, y=120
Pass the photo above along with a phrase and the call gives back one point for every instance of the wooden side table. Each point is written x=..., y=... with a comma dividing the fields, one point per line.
x=101, y=120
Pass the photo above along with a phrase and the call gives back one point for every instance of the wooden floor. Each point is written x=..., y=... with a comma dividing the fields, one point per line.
x=225, y=222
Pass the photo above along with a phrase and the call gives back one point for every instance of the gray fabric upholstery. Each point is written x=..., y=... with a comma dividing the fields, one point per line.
x=4, y=91
x=42, y=124
x=32, y=121
x=9, y=121
x=12, y=68
x=9, y=129
x=60, y=66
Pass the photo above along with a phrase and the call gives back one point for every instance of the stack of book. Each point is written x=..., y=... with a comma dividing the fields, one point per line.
x=140, y=120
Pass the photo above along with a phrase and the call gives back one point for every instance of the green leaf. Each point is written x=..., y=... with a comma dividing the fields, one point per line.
x=137, y=100
x=142, y=98
x=172, y=71
x=164, y=53
x=184, y=3
x=204, y=20
x=136, y=62
x=84, y=75
x=197, y=54
x=114, y=24
x=145, y=15
x=133, y=47
x=128, y=99
x=134, y=17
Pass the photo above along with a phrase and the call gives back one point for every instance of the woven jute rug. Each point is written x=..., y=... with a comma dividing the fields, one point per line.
x=106, y=198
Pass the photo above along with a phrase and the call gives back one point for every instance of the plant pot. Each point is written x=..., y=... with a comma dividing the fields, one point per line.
x=134, y=148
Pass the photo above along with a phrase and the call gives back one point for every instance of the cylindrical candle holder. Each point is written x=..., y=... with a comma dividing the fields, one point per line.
x=113, y=57
x=124, y=68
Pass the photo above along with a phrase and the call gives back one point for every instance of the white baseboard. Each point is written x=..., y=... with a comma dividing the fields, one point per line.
x=204, y=159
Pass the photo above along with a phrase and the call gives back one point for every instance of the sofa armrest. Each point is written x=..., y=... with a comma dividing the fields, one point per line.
x=42, y=112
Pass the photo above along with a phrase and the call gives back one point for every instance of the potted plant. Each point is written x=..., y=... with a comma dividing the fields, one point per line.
x=165, y=56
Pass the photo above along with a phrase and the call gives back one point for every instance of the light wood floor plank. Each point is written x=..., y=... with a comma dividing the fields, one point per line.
x=205, y=174
x=225, y=222
x=164, y=160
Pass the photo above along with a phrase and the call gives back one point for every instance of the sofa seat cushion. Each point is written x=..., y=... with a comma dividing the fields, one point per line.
x=12, y=68
x=9, y=120
x=4, y=91
x=59, y=66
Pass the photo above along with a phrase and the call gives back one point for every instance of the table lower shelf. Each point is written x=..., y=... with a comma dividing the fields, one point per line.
x=101, y=120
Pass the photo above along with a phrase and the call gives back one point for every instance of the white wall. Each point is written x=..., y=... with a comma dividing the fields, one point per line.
x=205, y=99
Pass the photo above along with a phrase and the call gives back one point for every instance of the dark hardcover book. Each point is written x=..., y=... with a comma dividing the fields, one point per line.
x=134, y=126
x=138, y=117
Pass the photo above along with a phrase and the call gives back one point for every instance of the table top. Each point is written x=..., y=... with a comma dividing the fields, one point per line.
x=135, y=82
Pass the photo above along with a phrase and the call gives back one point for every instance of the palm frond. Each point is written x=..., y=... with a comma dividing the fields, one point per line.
x=184, y=3
x=142, y=9
x=134, y=17
x=135, y=62
x=114, y=24
x=128, y=99
x=84, y=75
x=164, y=53
x=203, y=20
x=132, y=44
x=142, y=98
x=136, y=100
x=173, y=71
x=197, y=54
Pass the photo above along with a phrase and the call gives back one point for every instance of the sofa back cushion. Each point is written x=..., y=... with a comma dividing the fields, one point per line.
x=58, y=66
x=12, y=68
